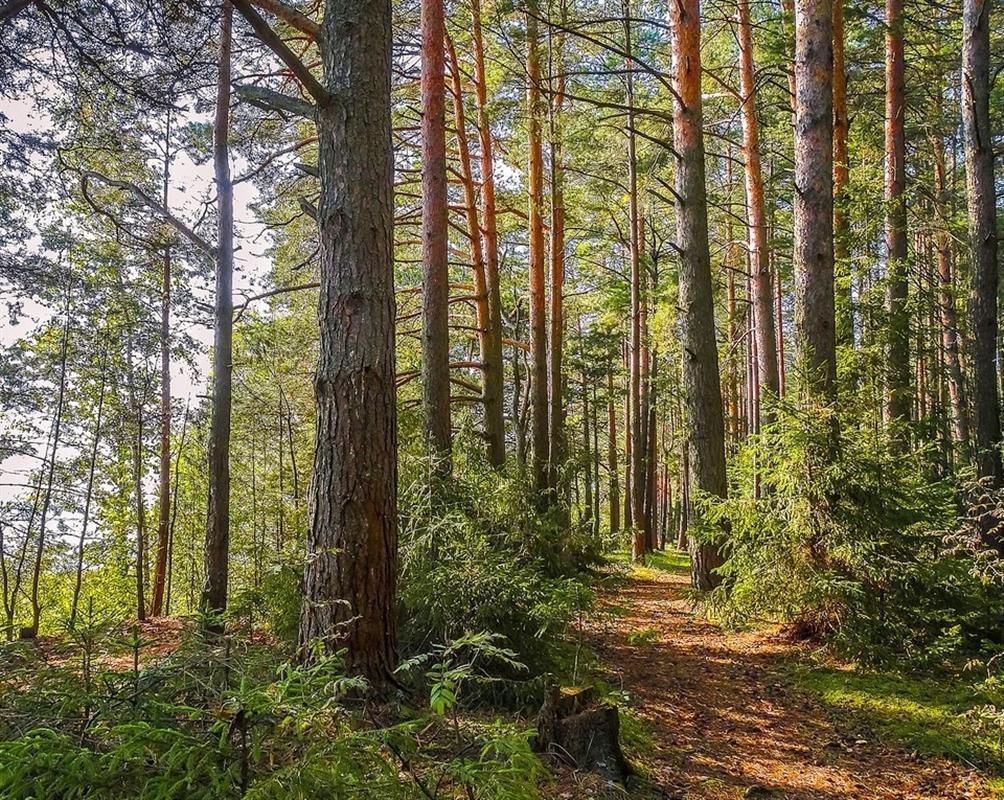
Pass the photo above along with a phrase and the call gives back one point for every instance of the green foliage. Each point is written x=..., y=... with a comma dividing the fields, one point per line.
x=222, y=717
x=944, y=715
x=475, y=555
x=848, y=546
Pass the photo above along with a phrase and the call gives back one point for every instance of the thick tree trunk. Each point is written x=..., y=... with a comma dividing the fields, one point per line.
x=349, y=581
x=898, y=394
x=981, y=196
x=538, y=314
x=701, y=387
x=494, y=380
x=217, y=556
x=489, y=334
x=759, y=258
x=435, y=240
x=813, y=254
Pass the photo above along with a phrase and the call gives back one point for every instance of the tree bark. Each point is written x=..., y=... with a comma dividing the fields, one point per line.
x=614, y=499
x=540, y=435
x=636, y=485
x=494, y=379
x=350, y=576
x=489, y=334
x=759, y=258
x=701, y=384
x=841, y=178
x=164, y=500
x=435, y=240
x=898, y=393
x=981, y=197
x=556, y=423
x=813, y=254
x=217, y=555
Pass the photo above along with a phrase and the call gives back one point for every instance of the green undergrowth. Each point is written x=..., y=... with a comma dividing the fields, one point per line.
x=948, y=716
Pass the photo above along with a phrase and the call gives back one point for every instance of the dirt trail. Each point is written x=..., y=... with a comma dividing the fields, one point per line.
x=723, y=722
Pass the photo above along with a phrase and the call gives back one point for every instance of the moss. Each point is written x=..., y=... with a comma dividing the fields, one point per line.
x=923, y=714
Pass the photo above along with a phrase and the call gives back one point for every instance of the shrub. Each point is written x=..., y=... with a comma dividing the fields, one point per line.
x=850, y=548
x=476, y=556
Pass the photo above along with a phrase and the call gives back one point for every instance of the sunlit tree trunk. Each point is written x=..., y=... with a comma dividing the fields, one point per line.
x=759, y=258
x=435, y=239
x=540, y=435
x=813, y=255
x=841, y=177
x=898, y=392
x=489, y=334
x=494, y=421
x=636, y=485
x=556, y=402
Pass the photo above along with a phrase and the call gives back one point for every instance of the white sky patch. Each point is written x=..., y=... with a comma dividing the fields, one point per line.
x=191, y=185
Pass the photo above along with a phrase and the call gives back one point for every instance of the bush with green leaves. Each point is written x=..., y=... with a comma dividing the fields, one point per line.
x=842, y=534
x=477, y=556
x=224, y=717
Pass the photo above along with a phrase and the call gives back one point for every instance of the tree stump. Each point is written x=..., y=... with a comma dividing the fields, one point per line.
x=575, y=727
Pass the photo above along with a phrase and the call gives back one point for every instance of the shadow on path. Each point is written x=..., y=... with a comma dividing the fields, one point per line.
x=723, y=723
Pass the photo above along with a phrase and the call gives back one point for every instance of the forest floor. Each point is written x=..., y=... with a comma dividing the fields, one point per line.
x=714, y=714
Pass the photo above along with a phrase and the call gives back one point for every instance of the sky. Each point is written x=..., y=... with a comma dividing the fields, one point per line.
x=191, y=184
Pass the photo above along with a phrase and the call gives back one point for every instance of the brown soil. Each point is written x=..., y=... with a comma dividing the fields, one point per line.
x=724, y=724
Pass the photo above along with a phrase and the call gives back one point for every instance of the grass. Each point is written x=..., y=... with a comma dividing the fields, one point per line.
x=670, y=560
x=925, y=715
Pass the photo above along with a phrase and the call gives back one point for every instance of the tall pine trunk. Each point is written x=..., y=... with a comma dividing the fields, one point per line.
x=540, y=436
x=759, y=258
x=981, y=197
x=435, y=239
x=494, y=378
x=489, y=334
x=813, y=254
x=841, y=178
x=217, y=556
x=349, y=583
x=701, y=387
x=898, y=395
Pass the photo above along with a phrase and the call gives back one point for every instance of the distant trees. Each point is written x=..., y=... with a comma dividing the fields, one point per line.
x=540, y=239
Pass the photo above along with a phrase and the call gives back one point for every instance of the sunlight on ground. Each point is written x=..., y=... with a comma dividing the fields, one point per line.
x=924, y=716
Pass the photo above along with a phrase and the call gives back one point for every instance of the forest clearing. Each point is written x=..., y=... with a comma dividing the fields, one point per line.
x=501, y=399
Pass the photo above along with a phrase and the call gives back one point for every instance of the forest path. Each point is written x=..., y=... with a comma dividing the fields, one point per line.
x=723, y=722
